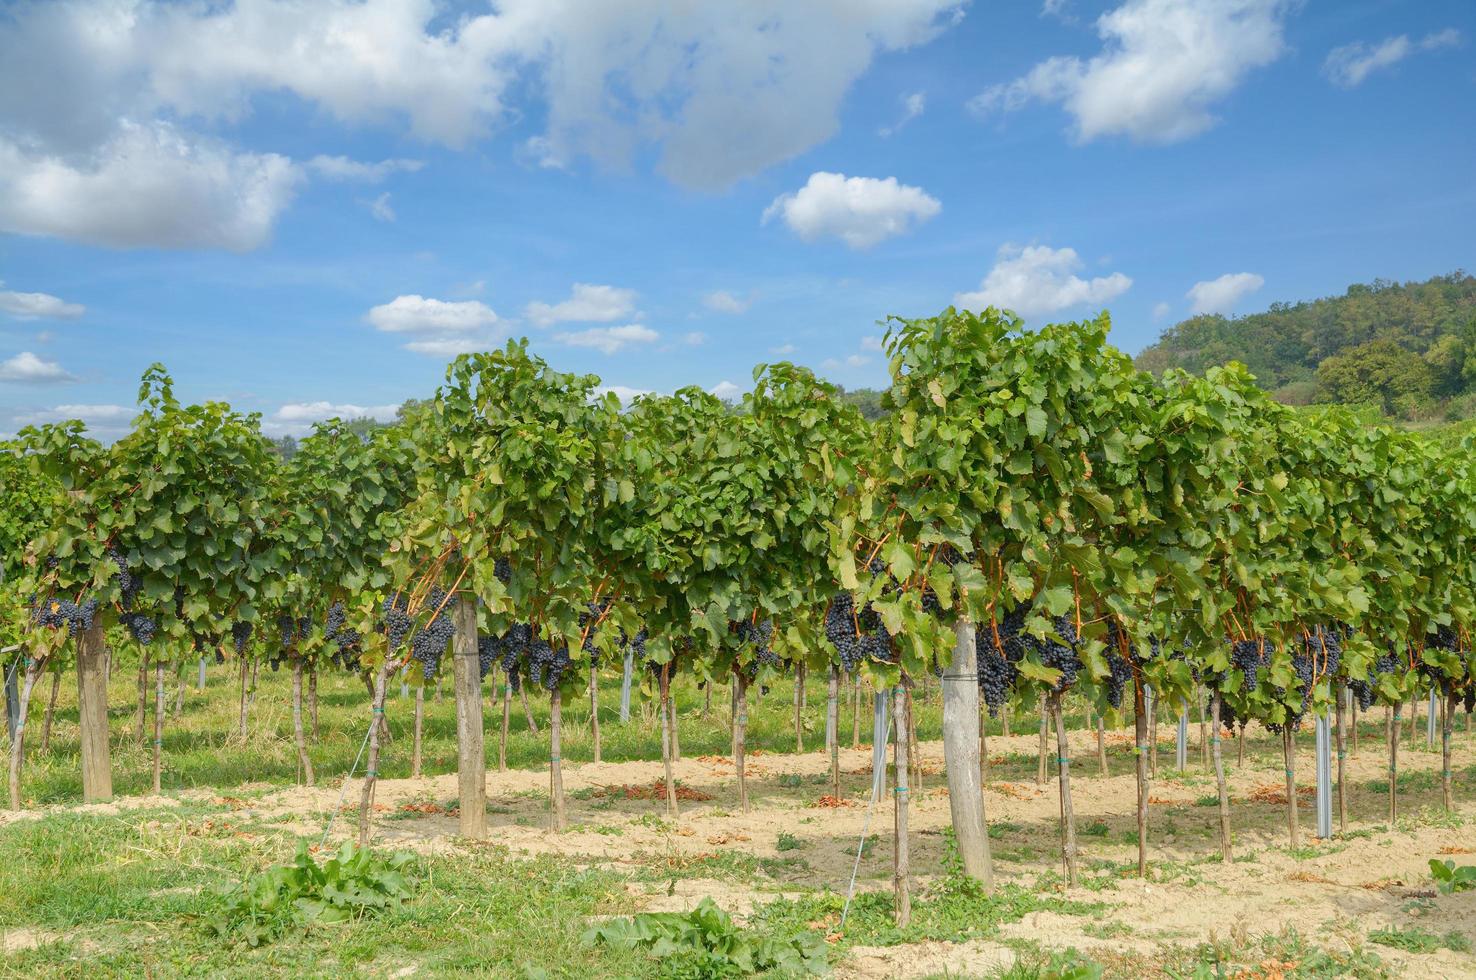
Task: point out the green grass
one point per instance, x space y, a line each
1417 940
1288 952
952 912
140 888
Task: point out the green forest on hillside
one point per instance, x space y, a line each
1406 350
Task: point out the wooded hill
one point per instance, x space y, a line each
1407 349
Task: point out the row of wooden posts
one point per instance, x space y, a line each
965 747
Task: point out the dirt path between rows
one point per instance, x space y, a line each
1333 892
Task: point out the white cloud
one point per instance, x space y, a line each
725 89
588 304
722 90
722 301
321 411
783 349
342 168
695 338
27 368
851 361
34 306
380 207
149 186
1164 65
860 211
440 328
624 393
1350 64
608 340
1057 9
1036 279
1221 295
871 343
1161 310
91 414
726 390
419 314
912 107
455 346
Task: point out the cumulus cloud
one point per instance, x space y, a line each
725 90
625 393
912 107
323 410
726 390
1161 310
93 415
1350 64
27 368
1163 66
694 338
149 186
440 328
722 301
1035 280
454 346
342 168
1223 294
783 349
36 306
860 211
608 340
871 343
851 361
420 314
719 90
588 304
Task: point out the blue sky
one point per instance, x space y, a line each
309 209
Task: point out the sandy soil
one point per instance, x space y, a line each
1333 897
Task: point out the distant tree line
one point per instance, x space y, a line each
1405 349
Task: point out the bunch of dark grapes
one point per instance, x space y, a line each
996 661
1228 718
56 613
1443 638
760 635
1246 656
488 651
1365 691
240 636
395 612
547 663
337 619
429 643
129 584
930 603
1325 647
840 630
336 629
1119 664
513 645
286 629
1468 699
1302 663
439 601
142 628
1062 656
502 569
1121 675
589 623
